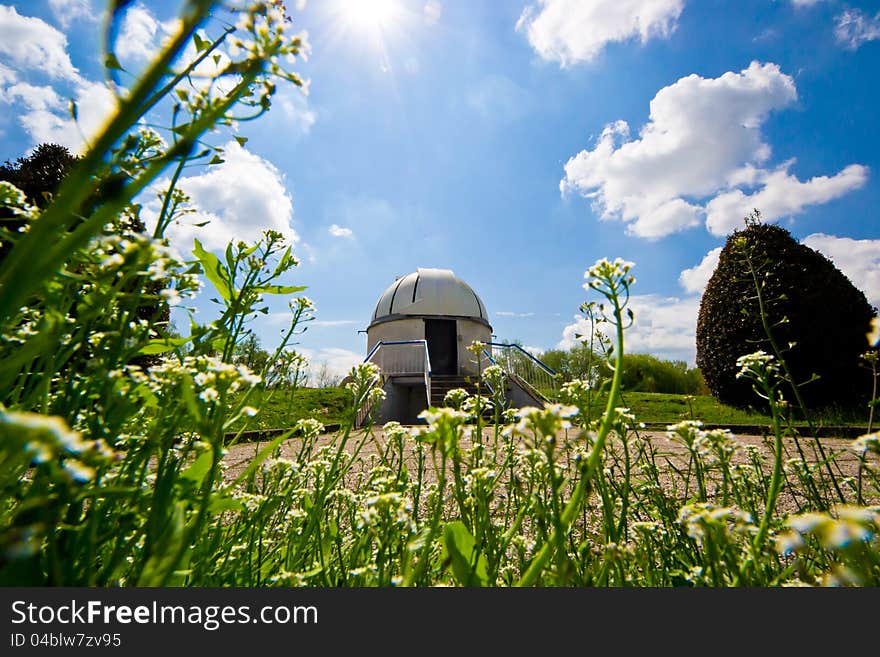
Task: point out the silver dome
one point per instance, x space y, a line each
430 292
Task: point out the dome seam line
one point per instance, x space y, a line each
394 294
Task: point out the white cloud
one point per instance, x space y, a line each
432 12
694 280
805 3
571 31
34 97
854 27
372 219
507 313
858 259
703 140
332 323
141 34
340 231
31 43
781 195
295 105
338 361
240 197
67 11
7 75
46 117
664 327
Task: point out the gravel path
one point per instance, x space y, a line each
369 447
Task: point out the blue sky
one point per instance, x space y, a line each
515 142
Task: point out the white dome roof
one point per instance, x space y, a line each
430 292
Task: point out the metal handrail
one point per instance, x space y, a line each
426 369
544 366
538 377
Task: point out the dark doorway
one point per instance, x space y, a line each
442 345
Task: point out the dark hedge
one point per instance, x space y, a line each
828 318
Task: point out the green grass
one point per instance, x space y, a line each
280 409
655 408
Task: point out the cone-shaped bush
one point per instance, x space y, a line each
817 316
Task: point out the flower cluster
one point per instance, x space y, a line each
495 377
545 422
212 378
870 442
756 364
47 440
606 276
15 200
576 392
838 529
701 518
455 398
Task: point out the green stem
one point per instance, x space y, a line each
588 470
776 478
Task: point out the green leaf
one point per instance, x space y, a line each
188 394
169 542
199 468
112 63
241 140
468 565
221 504
161 346
213 271
284 263
216 160
279 289
201 44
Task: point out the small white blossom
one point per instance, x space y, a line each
113 261
209 395
171 296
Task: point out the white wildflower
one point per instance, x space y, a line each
112 261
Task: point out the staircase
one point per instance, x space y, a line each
443 383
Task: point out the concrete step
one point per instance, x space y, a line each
441 384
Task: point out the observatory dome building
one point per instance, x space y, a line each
419 336
436 306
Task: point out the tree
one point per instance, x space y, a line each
250 352
771 293
324 377
578 362
39 174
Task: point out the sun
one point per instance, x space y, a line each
372 16
370 27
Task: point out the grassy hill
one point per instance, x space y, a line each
280 409
283 408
